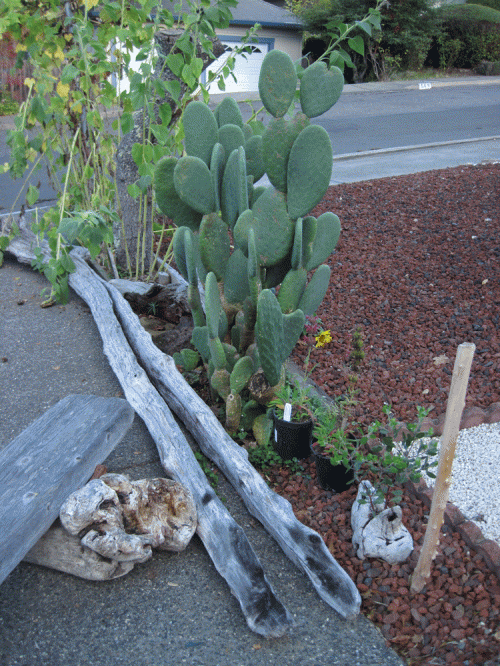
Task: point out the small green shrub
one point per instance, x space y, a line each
468 34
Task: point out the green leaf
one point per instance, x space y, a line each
32 195
175 62
365 26
127 123
69 74
165 113
174 88
357 44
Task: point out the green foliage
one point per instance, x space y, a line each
63 128
8 106
399 455
264 457
494 4
469 33
253 239
369 40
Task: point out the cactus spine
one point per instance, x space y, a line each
241 240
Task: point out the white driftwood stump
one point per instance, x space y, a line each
124 520
381 533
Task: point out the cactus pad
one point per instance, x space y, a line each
320 88
214 245
167 198
269 336
217 164
255 161
228 112
231 137
291 289
194 184
234 190
315 291
200 129
309 170
277 83
277 143
326 238
235 279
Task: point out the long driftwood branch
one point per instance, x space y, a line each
224 539
301 544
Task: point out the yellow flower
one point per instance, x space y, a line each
90 3
29 82
63 90
21 47
323 338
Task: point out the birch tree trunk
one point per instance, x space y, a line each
454 409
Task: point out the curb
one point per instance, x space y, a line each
488 549
404 149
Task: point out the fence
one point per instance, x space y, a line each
12 80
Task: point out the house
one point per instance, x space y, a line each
279 30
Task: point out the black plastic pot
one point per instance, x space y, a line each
291 438
332 477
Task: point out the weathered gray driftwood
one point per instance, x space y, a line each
232 552
57 549
301 544
53 457
224 539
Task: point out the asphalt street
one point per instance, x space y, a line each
437 126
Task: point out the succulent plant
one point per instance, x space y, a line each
253 247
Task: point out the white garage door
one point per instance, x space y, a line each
246 69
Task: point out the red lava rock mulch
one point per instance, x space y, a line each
417 270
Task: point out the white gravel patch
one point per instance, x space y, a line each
475 486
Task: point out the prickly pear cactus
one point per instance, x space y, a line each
253 247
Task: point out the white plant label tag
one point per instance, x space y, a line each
287 412
424 86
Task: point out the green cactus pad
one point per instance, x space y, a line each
277 143
214 245
277 82
309 227
241 373
326 238
297 245
269 336
315 291
262 429
234 191
167 198
199 339
233 412
255 194
200 129
217 354
247 131
236 287
179 250
194 184
255 161
272 227
217 164
320 88
293 325
228 112
212 305
309 170
231 137
232 355
187 359
291 289
220 382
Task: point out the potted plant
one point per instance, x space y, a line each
292 414
335 451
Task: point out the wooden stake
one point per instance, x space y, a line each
454 409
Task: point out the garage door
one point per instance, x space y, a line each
246 69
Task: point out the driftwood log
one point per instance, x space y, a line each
78 433
224 539
59 550
301 544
